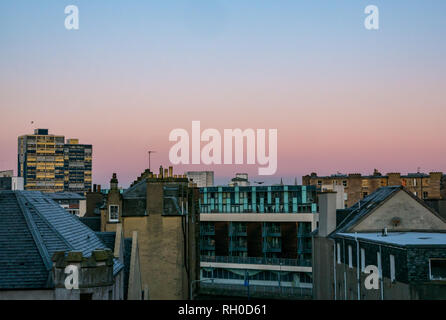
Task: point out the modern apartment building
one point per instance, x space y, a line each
77 166
47 164
257 237
356 186
41 161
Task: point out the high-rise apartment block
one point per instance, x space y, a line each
77 159
48 164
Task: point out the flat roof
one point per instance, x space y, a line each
402 238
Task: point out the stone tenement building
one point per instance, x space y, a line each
163 209
357 186
390 229
39 239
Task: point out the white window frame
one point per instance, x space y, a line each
430 269
109 213
338 252
392 267
362 259
350 257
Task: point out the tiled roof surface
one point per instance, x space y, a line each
32 228
108 238
94 223
65 196
365 206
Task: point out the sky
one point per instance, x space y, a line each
342 98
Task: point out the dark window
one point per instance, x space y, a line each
438 269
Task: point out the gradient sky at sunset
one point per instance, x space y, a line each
342 98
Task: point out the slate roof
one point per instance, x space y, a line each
403 239
65 196
94 223
32 228
108 238
136 191
365 206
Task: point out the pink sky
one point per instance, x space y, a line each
342 98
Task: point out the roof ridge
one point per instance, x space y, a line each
44 254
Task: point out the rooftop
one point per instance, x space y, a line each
65 196
402 238
33 227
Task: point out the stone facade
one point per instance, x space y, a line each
357 186
167 226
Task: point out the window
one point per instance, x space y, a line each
364 194
437 268
338 253
425 195
362 259
113 212
344 183
392 268
350 258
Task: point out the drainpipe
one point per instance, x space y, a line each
334 268
358 266
381 273
345 270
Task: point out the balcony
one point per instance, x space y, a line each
257 260
256 291
272 247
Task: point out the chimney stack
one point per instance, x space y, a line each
171 172
327 213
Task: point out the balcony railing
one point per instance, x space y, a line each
269 247
259 289
257 260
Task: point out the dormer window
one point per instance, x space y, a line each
113 213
